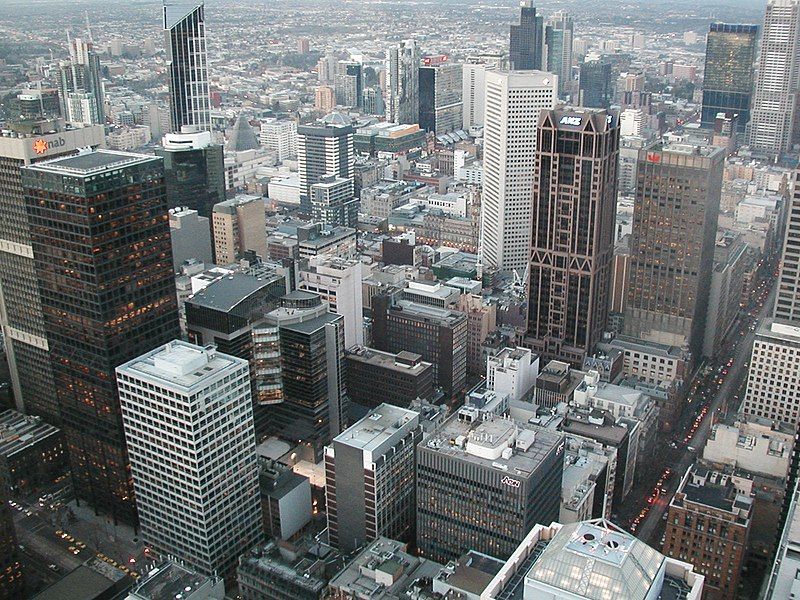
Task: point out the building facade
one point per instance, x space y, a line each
370 472
440 100
483 484
514 100
526 39
187 65
24 333
558 34
402 83
672 243
325 148
107 296
188 421
772 118
728 75
194 170
574 191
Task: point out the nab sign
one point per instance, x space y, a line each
41 145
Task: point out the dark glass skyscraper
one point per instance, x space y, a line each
672 243
21 318
194 170
728 79
596 84
184 26
574 196
101 245
526 40
440 101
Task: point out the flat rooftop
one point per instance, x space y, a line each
180 365
402 362
377 430
226 292
482 443
19 432
427 313
92 163
169 581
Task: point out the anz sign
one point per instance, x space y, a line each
571 120
514 483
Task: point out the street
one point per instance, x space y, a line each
673 460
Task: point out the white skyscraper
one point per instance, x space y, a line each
473 86
402 83
188 421
772 120
280 137
513 102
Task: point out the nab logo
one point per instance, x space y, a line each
510 482
41 146
653 157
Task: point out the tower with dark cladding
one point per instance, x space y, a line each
21 319
728 76
103 259
526 40
672 243
187 64
574 199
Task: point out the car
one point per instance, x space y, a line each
691 449
53 567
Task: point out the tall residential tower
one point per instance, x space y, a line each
187 64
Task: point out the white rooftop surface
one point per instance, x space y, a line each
179 364
378 430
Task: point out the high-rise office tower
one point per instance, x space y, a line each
280 137
473 86
440 103
324 148
728 76
596 84
80 85
188 421
437 334
526 39
370 471
194 170
107 295
333 202
24 332
773 127
771 385
225 312
402 83
574 205
513 102
787 301
349 84
306 344
483 482
672 243
239 226
187 64
558 35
